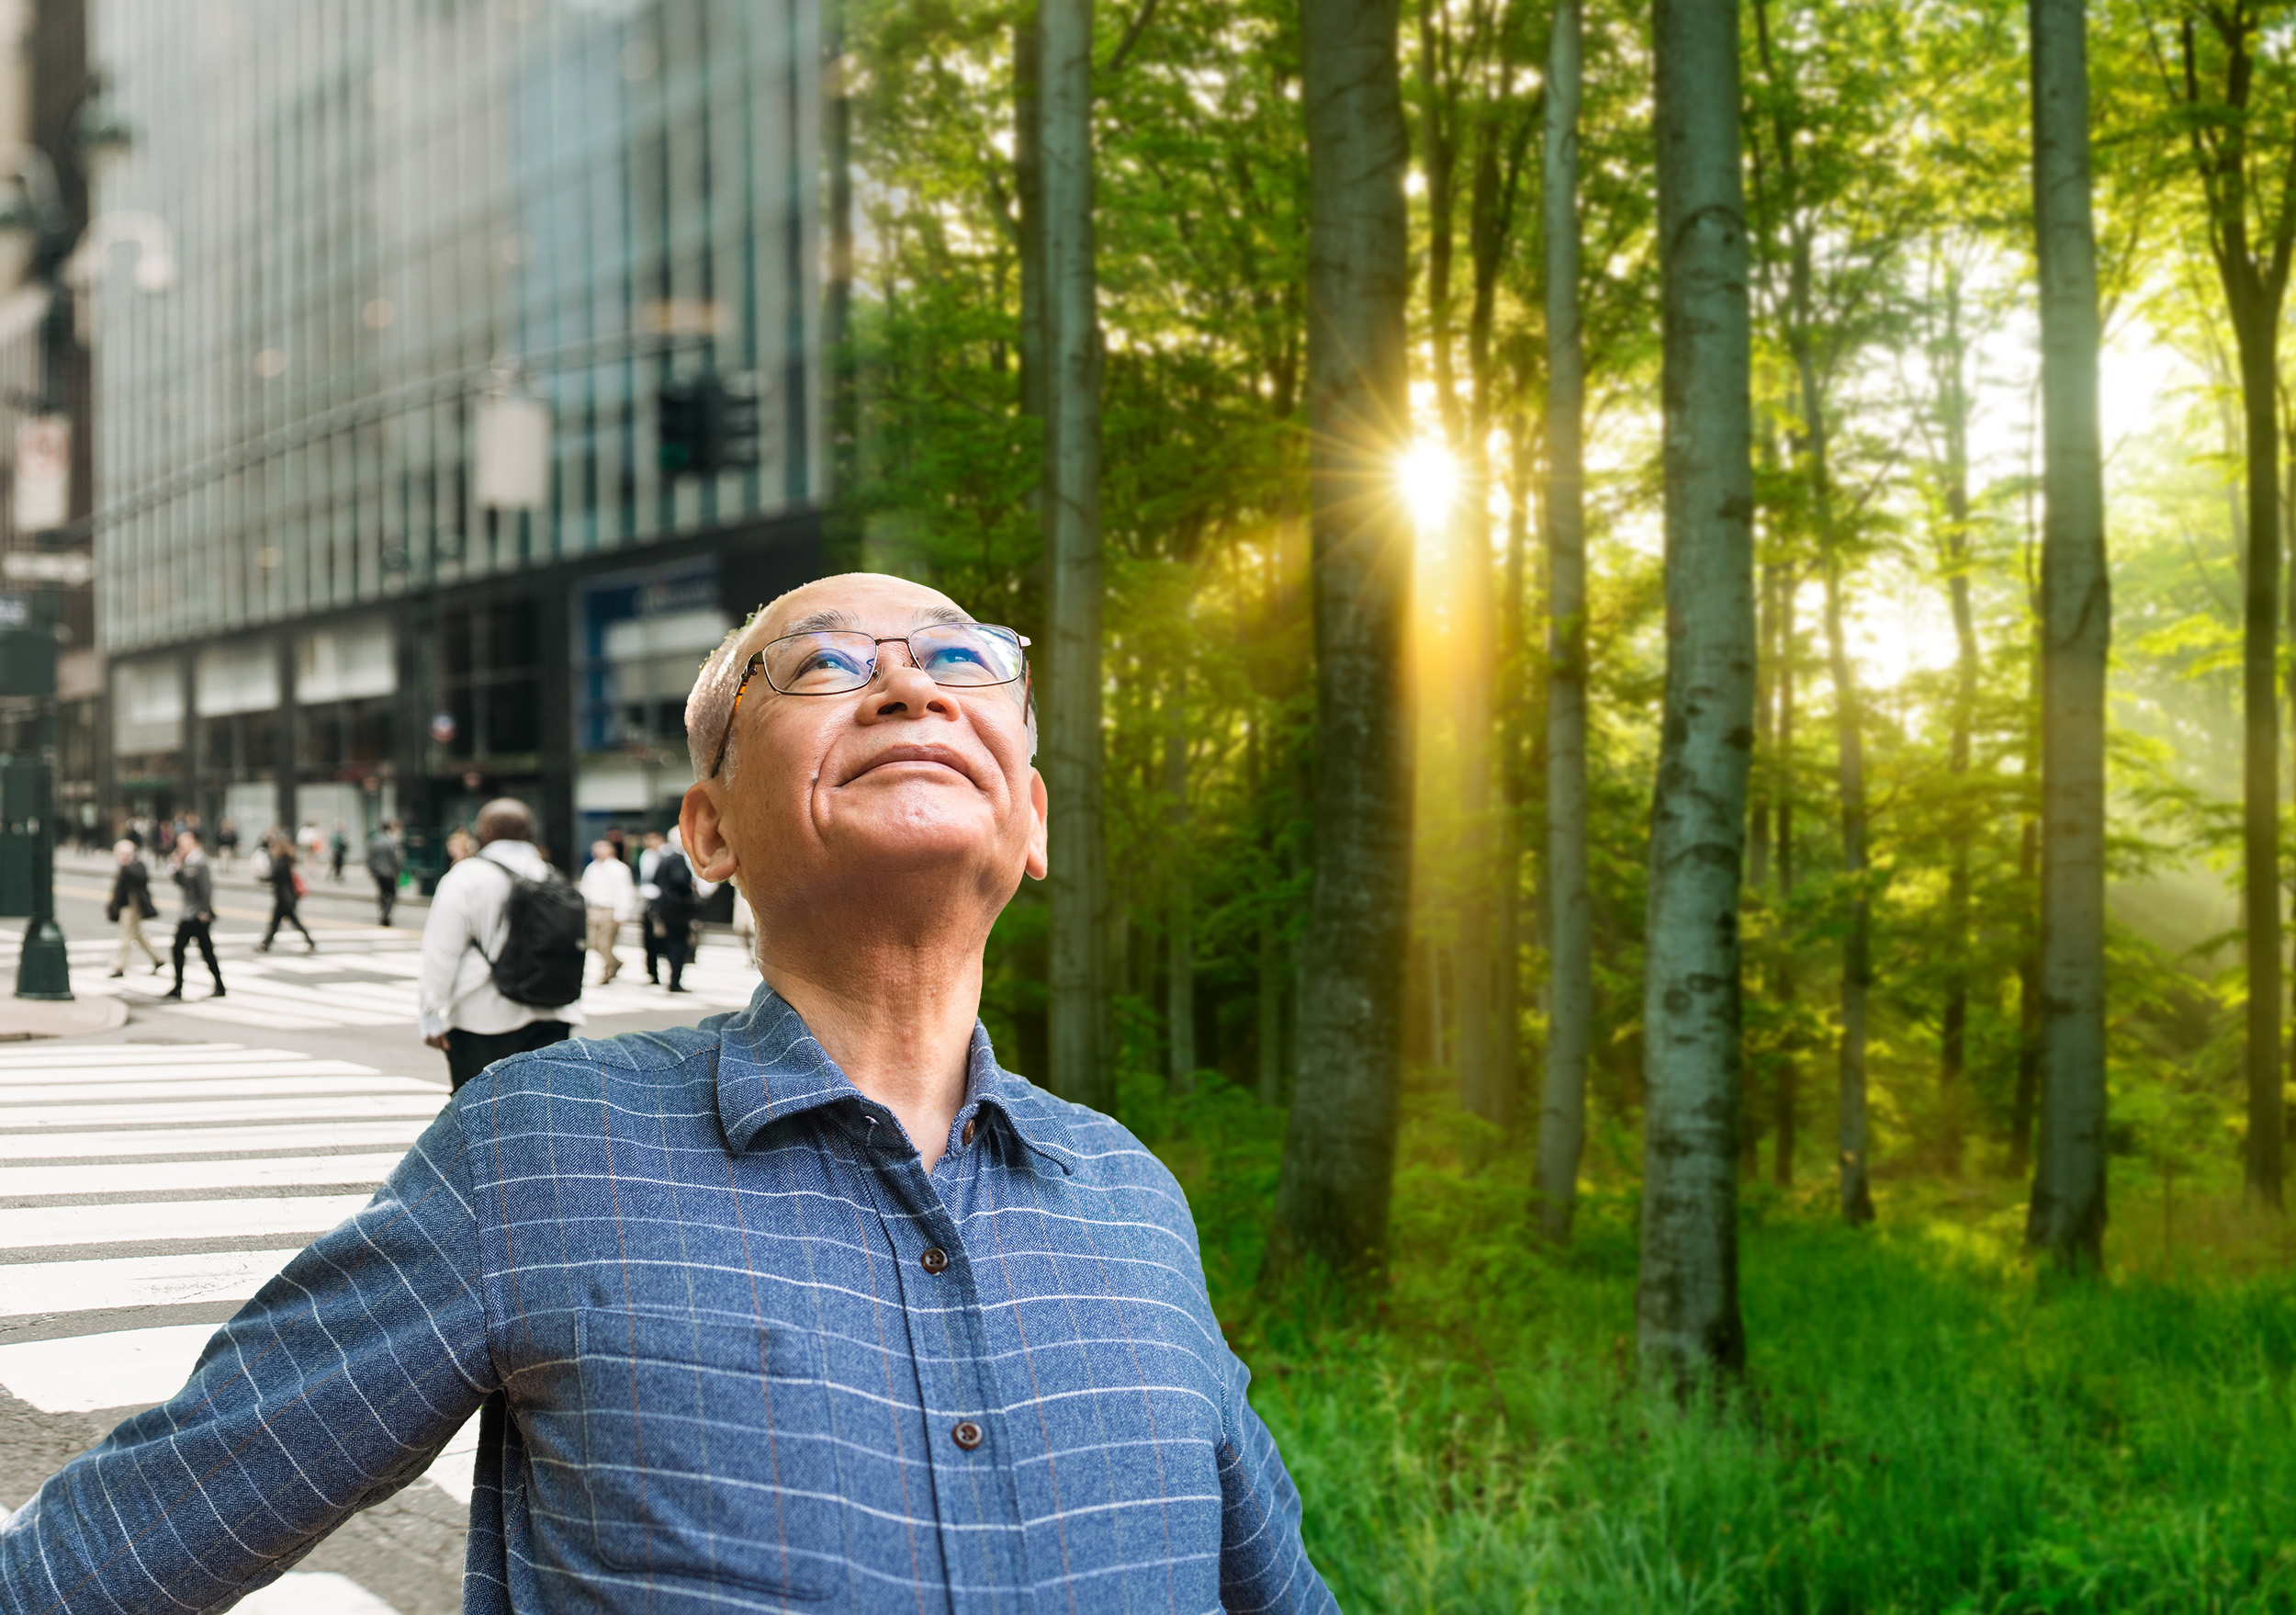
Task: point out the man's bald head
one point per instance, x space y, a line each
506 819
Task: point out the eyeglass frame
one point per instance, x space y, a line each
755 664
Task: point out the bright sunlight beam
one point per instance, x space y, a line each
1429 479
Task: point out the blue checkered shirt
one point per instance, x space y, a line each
738 1351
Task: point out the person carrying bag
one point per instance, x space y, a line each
130 907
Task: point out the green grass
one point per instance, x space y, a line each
1924 1426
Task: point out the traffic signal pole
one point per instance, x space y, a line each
43 970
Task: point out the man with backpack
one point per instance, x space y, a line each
503 950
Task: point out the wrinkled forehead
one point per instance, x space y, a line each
862 604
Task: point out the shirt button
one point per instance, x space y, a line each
935 1259
967 1136
967 1434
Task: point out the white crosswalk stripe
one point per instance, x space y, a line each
370 982
256 1148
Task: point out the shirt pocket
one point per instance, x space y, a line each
706 1450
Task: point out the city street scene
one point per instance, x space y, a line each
954 805
153 1177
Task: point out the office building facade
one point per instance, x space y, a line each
383 522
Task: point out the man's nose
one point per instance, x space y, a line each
904 685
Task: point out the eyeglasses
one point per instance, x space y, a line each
962 656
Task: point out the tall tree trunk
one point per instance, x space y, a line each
1788 1093
1686 1306
2068 1214
2260 784
1954 409
1180 918
1339 1153
1853 1141
1027 173
1071 526
1570 971
843 527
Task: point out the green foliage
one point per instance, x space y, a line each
1924 1426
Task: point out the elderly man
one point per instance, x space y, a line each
812 1306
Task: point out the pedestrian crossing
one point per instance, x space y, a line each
369 981
148 1189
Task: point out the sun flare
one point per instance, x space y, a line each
1428 477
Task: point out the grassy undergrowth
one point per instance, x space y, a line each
1924 1426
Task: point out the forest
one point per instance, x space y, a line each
1665 675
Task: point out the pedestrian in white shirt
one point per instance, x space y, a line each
463 1012
610 894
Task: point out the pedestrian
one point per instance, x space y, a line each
130 906
812 1305
338 848
194 924
286 890
468 936
675 901
384 860
609 897
311 843
459 845
226 844
650 926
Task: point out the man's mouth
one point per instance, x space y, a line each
945 756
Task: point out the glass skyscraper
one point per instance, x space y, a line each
387 213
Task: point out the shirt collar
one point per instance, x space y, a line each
771 1067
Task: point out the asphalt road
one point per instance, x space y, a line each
151 1178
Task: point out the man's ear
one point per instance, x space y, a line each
1037 865
703 832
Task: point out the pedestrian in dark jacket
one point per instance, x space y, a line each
195 924
675 905
384 862
130 906
286 891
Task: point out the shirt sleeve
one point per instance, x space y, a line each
446 938
334 1387
1263 1562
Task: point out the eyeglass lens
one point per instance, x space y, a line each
830 662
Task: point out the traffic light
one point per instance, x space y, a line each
707 424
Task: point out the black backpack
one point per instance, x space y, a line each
543 953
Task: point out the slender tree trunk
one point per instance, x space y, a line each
2259 337
1180 936
1339 1153
1027 173
1954 406
1853 1145
1686 1307
844 525
1071 522
1570 978
1853 1141
2068 1214
1781 983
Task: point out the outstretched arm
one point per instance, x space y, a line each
336 1386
